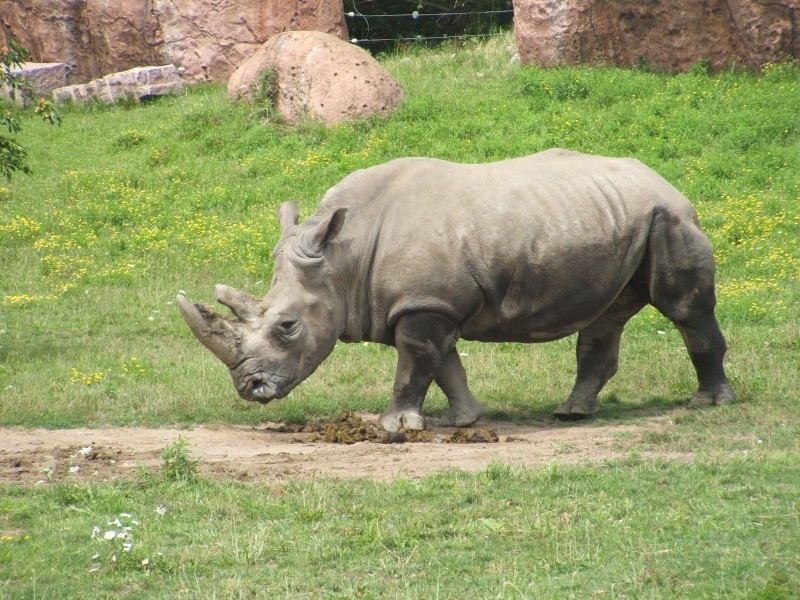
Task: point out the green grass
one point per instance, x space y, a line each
129 204
654 529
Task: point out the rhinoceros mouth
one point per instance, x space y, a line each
263 392
266 390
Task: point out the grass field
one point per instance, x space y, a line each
127 205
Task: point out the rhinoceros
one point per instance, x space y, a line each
418 253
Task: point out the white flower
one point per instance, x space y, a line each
126 515
109 535
127 546
146 562
95 532
86 450
161 509
74 469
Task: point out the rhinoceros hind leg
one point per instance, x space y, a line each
464 409
423 341
597 363
707 349
723 395
598 356
682 289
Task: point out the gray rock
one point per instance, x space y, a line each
134 84
43 77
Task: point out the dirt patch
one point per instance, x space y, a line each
351 447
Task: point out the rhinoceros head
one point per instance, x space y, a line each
275 343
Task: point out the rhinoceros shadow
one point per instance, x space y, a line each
612 409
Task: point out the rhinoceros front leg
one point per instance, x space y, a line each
464 409
423 340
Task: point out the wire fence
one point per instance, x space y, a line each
382 30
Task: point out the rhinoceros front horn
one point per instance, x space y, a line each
215 332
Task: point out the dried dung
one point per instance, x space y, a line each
349 428
477 435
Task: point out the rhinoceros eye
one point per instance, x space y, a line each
288 325
285 329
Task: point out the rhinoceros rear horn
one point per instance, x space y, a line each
214 331
244 306
288 215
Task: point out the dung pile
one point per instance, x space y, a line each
476 435
349 428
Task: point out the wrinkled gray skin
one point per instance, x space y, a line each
419 253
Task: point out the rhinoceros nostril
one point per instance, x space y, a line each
262 391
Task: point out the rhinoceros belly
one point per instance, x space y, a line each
544 302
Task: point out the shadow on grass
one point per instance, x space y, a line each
611 410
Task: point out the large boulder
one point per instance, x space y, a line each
137 84
316 75
669 35
208 38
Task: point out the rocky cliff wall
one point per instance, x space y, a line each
211 38
668 35
208 38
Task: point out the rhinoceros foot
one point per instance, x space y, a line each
574 410
461 414
723 394
394 420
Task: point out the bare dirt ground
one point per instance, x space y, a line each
277 452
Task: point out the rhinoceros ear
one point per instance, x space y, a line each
288 215
312 243
214 331
243 306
